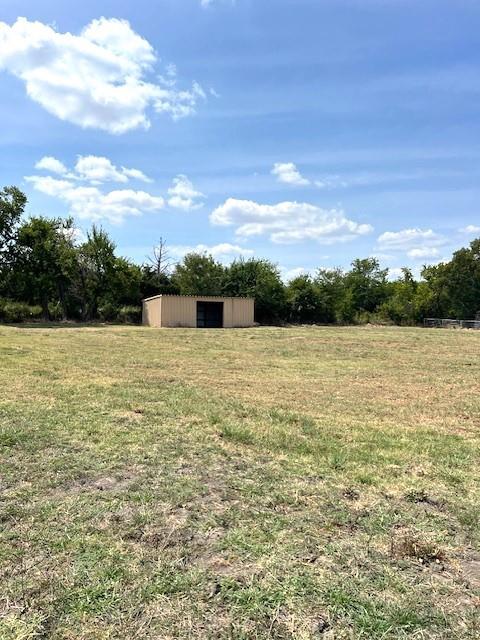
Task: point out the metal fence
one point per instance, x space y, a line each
449 323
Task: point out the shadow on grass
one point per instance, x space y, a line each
66 325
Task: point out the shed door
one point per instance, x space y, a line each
209 315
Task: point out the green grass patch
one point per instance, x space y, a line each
247 484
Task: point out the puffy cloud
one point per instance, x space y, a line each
88 202
75 234
288 222
93 169
97 169
136 174
409 239
96 79
49 163
470 229
423 252
417 244
224 251
50 186
288 173
183 195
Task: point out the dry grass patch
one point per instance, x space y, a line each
266 483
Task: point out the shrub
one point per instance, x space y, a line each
107 312
130 315
370 317
55 311
19 311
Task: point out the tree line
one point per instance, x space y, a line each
47 273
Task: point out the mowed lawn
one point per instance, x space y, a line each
264 483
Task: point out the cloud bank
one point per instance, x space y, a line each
288 222
79 189
418 244
225 251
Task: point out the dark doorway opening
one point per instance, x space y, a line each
209 315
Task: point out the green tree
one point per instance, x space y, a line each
435 300
331 289
154 283
45 261
95 273
305 303
365 289
463 282
126 284
12 207
401 304
199 274
261 280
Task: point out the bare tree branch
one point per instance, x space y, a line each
160 258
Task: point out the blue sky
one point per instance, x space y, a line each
309 132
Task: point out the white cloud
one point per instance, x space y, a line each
136 174
408 239
384 257
88 202
93 169
49 163
470 229
288 222
331 182
290 274
423 252
210 3
97 169
394 273
76 235
183 195
225 252
288 173
417 244
97 79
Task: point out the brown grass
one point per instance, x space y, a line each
264 483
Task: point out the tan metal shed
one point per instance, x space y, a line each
198 311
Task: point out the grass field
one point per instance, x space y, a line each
265 483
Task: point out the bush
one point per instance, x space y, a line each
55 311
19 311
107 312
130 315
371 317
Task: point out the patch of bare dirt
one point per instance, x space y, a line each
105 483
409 544
471 571
132 415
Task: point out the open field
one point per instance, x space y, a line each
265 483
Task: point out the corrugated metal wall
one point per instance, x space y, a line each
181 311
242 312
152 312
